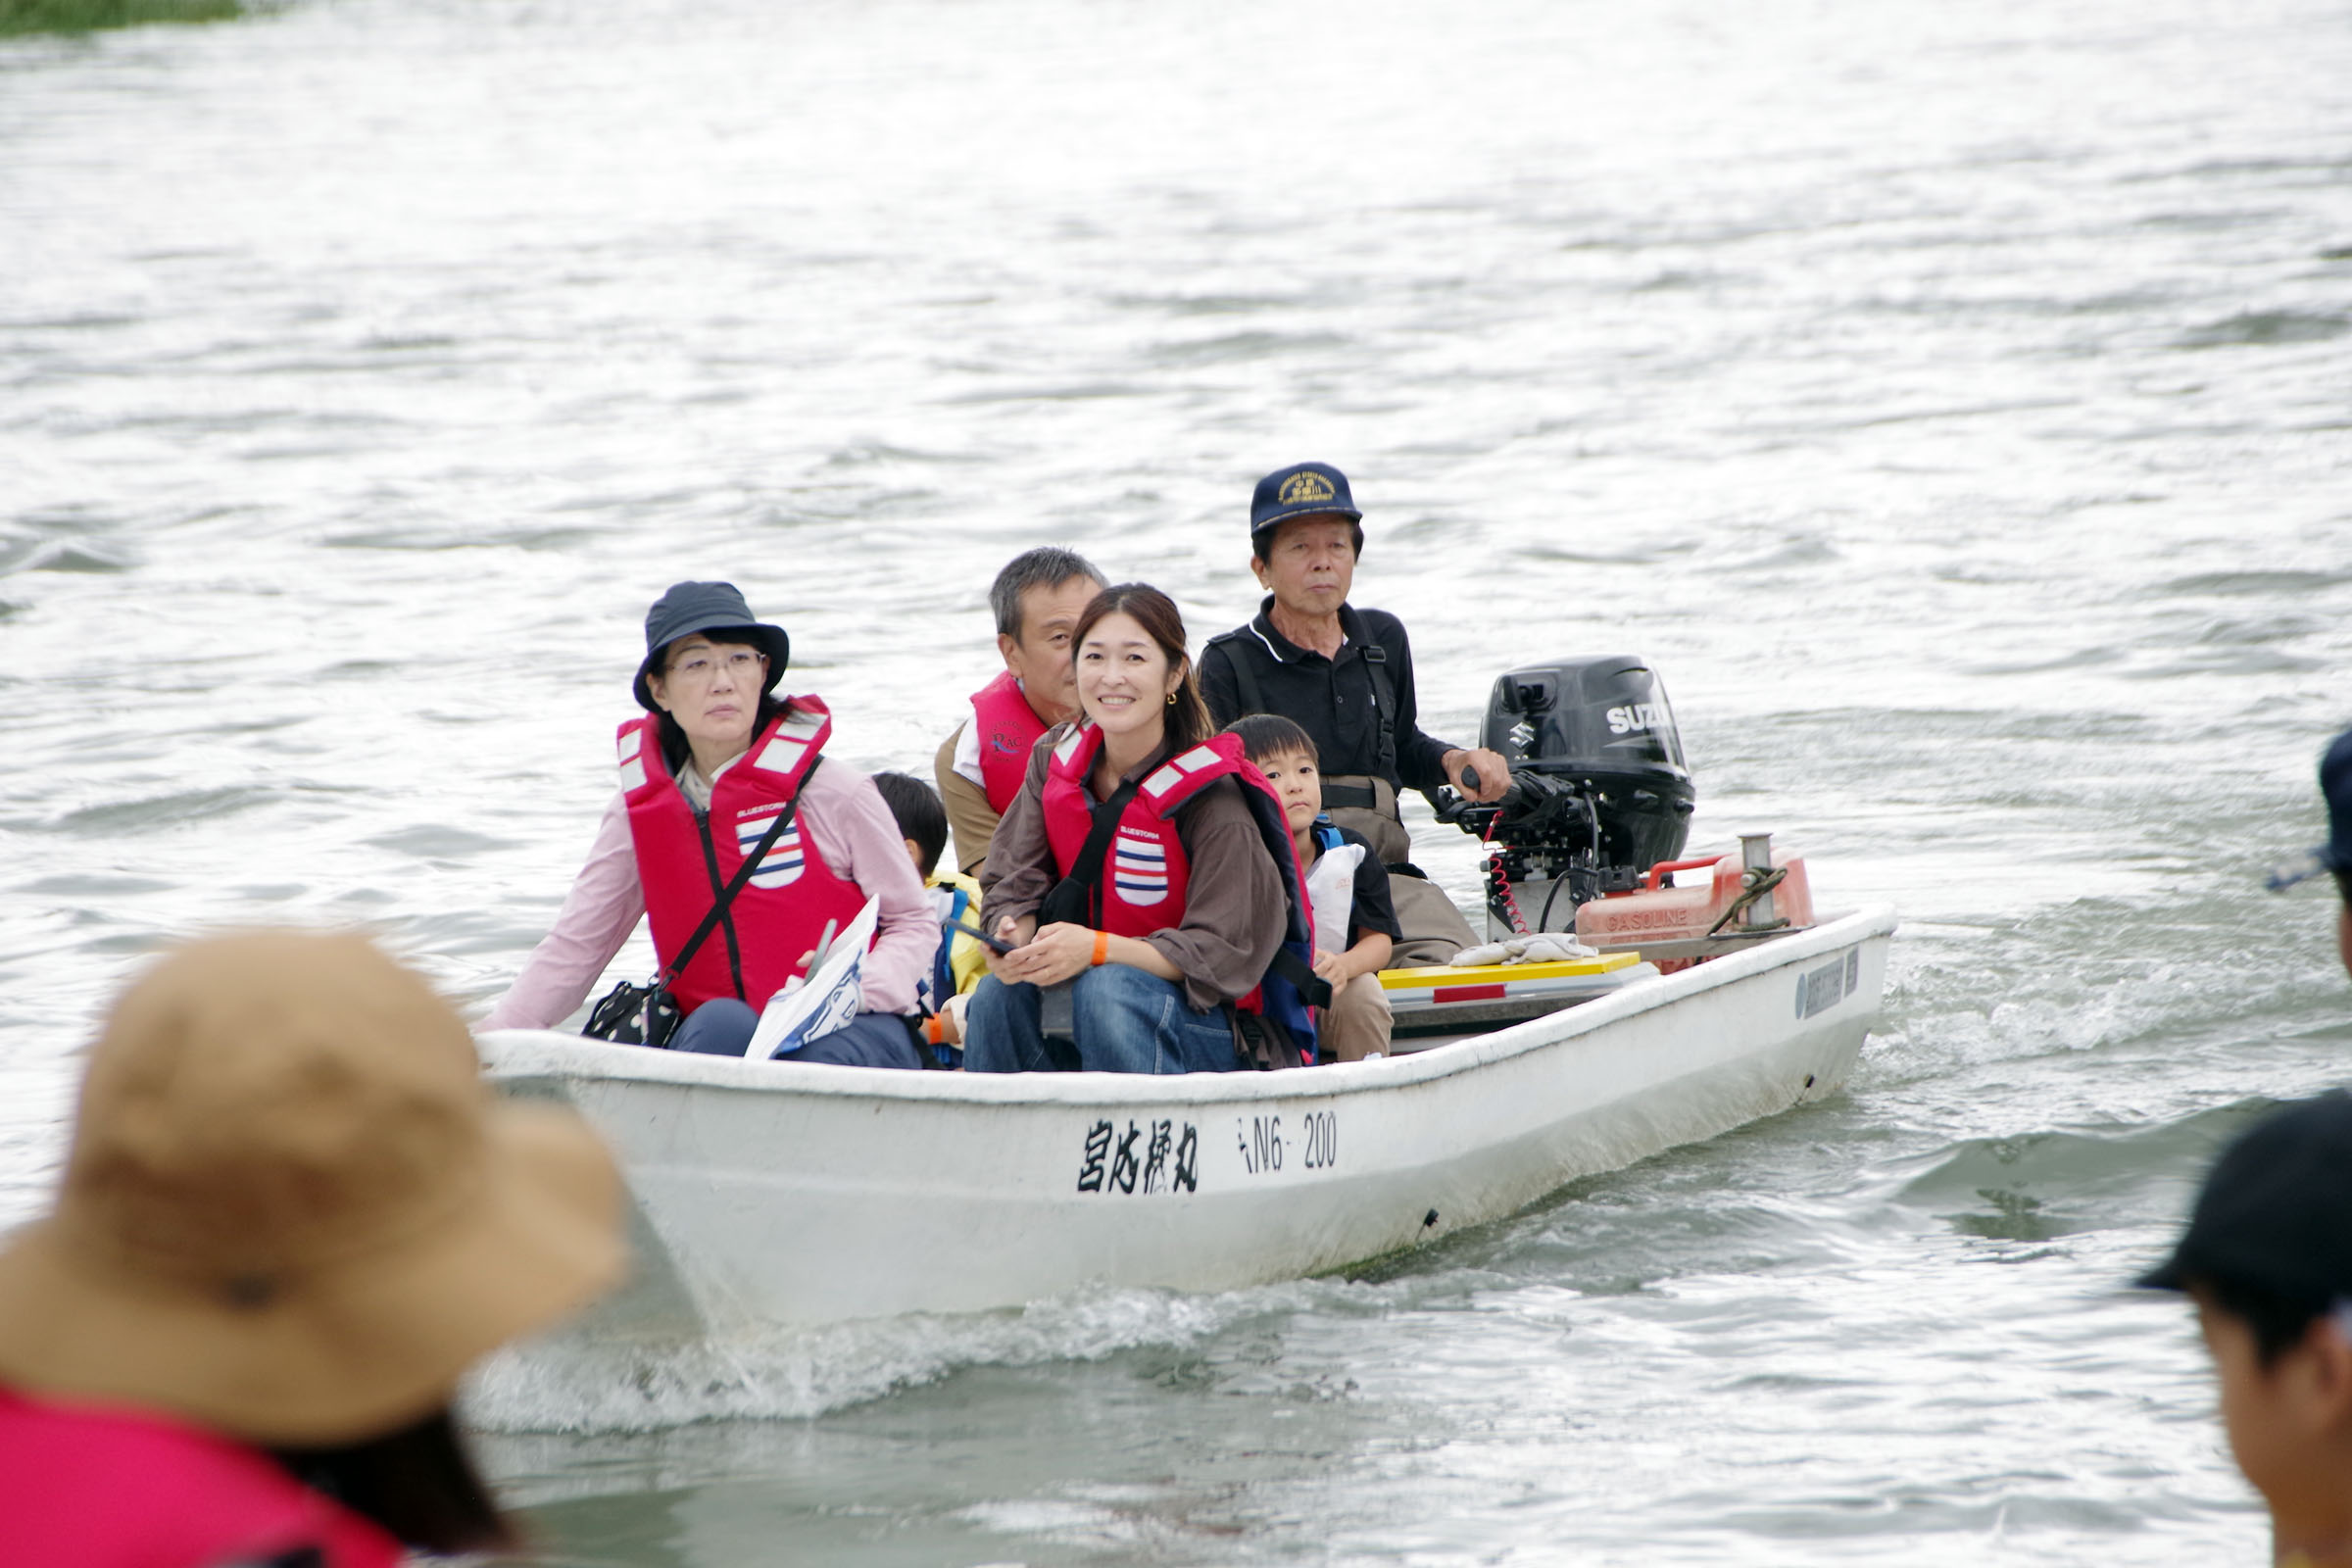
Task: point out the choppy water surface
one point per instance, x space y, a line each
1955 402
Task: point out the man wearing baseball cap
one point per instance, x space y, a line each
1345 677
2268 1259
2335 856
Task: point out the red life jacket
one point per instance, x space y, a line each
112 1488
1146 874
776 921
1007 728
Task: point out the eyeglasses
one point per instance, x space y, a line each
702 666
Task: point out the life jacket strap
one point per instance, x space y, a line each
743 873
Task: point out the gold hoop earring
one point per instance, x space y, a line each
1171 699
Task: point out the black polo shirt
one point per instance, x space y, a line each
1339 702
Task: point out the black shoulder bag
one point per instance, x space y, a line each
648 1014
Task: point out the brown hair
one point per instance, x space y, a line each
1188 721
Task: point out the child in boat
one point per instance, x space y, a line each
1355 917
959 962
2268 1259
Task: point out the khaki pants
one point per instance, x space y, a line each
1356 1023
1434 929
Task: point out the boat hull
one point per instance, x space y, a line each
780 1194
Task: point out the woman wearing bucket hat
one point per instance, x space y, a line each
291 1216
717 762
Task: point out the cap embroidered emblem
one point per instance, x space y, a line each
1305 485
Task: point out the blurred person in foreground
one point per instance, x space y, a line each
291 1216
2267 1261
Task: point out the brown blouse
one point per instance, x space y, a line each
1232 912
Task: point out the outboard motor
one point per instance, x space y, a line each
1600 792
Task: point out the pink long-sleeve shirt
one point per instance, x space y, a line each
841 810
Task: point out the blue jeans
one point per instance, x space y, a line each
1126 1021
723 1027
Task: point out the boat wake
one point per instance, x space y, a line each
577 1383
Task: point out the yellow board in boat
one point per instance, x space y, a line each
1503 973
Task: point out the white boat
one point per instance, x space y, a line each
777 1194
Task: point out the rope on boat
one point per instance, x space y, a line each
1759 883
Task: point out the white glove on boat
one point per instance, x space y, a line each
1552 946
1547 947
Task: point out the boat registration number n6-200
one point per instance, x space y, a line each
1265 1142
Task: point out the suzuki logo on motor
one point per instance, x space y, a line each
1633 716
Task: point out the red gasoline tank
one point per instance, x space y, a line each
1656 912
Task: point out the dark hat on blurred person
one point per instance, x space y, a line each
718 611
293 1213
2276 1212
1301 490
2335 785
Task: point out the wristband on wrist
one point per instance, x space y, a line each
1101 949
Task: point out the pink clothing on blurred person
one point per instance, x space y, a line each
111 1488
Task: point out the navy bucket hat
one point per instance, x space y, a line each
1301 490
2336 784
718 611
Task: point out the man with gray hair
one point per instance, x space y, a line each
1037 600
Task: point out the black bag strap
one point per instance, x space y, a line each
1313 988
1383 700
1253 697
743 874
1073 896
1238 654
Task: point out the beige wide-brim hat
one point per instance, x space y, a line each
293 1213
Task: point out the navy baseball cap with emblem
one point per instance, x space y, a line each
2336 784
1301 490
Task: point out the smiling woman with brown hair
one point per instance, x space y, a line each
1142 865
